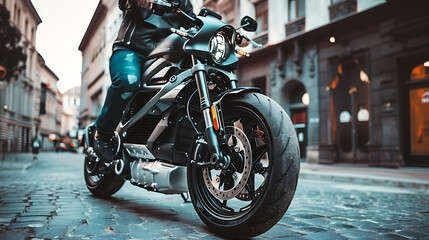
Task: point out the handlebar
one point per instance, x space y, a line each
255 44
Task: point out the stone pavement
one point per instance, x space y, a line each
50 201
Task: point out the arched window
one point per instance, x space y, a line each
420 72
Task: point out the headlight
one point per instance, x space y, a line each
220 47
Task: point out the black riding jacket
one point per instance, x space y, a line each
142 31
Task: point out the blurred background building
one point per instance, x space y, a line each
30 104
352 74
96 47
69 119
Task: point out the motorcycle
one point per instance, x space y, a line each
191 129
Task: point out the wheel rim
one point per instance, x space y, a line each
220 208
227 184
93 167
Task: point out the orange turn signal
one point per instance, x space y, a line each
214 116
242 53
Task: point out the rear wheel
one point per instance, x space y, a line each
100 179
254 192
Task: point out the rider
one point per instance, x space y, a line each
140 32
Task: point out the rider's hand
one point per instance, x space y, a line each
141 3
244 43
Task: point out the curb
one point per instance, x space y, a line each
27 166
364 179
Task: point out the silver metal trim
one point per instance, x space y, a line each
138 151
208 118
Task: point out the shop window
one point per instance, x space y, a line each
419 121
261 10
296 9
420 72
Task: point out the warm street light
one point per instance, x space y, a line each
364 77
332 39
426 64
306 99
3 72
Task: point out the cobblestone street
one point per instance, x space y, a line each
50 201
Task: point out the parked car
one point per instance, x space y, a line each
61 147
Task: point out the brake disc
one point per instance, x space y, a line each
237 140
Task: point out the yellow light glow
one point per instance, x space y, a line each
306 99
5 107
364 77
332 40
426 64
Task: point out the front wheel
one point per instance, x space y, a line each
254 192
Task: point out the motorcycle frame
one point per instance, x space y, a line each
167 96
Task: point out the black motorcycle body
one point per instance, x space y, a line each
189 128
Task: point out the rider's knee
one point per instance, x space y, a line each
128 81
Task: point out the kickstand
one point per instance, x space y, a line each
185 197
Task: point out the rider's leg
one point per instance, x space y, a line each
125 72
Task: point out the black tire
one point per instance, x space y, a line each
271 200
102 185
100 180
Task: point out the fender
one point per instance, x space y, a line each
234 92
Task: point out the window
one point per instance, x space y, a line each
18 17
26 28
421 71
15 9
261 9
419 121
296 9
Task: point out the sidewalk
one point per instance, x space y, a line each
406 177
15 161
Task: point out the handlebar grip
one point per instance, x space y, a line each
160 7
255 44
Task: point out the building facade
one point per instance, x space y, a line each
21 118
48 106
70 116
96 48
352 74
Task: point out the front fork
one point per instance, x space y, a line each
217 158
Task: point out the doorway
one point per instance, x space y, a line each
349 96
418 124
297 99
